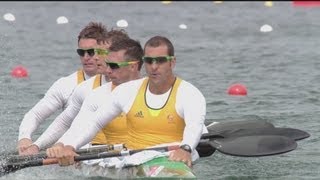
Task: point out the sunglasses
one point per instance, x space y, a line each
158 60
117 65
91 52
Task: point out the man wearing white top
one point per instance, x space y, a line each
161 108
125 61
57 97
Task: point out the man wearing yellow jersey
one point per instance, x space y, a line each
160 109
57 97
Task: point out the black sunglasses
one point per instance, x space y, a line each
115 65
158 60
81 52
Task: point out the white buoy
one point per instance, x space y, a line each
9 17
266 28
122 23
217 2
183 26
166 2
268 3
62 20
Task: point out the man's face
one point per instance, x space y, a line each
101 53
158 71
89 64
119 70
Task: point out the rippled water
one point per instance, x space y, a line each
222 45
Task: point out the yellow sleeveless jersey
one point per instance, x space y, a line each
80 76
114 132
100 137
148 126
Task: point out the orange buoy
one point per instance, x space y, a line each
19 72
237 89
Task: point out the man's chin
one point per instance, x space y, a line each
154 78
89 70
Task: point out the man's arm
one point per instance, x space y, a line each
62 123
51 102
194 112
82 131
87 125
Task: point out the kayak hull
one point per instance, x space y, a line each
158 168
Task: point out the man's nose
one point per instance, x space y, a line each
154 65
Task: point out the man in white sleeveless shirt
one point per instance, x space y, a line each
161 108
57 97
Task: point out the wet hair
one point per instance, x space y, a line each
94 30
157 41
116 35
133 49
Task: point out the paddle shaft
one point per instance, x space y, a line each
48 161
124 153
43 155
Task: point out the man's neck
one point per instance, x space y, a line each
161 88
88 76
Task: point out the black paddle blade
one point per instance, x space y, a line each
254 146
234 125
292 133
205 149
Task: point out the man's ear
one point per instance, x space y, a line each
173 62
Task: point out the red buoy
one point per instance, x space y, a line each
237 89
306 3
19 72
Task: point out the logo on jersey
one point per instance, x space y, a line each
139 114
170 119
